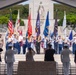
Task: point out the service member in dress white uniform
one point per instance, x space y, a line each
60 44
65 59
74 44
10 59
20 40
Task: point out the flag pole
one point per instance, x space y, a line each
56 25
10 25
17 24
46 28
64 25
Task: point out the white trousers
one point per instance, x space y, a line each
10 68
66 68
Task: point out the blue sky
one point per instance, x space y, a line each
27 2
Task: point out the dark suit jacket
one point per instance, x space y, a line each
75 57
49 55
1 49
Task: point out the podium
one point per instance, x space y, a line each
36 68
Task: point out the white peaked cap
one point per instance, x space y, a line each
66 45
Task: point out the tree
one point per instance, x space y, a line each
21 23
15 12
14 18
71 19
24 12
3 20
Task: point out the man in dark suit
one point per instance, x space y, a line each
75 57
49 54
0 53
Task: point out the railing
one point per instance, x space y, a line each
72 69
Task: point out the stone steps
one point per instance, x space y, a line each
37 57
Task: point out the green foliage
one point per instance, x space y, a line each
21 23
14 18
60 22
61 8
5 13
24 11
3 20
70 12
15 12
71 19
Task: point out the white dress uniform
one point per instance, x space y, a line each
32 43
60 44
15 40
9 59
65 59
66 41
20 38
44 45
51 42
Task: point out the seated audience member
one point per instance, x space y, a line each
75 57
49 53
30 54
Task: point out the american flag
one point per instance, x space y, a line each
10 27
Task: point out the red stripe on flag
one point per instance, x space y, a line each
10 27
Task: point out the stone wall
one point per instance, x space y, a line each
36 68
43 6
